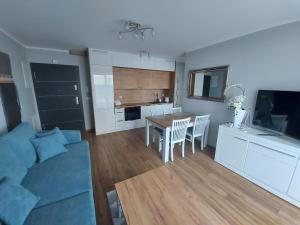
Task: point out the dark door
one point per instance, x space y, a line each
58 95
11 105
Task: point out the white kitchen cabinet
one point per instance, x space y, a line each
99 57
154 109
102 91
268 161
103 100
294 190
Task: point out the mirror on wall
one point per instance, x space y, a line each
208 83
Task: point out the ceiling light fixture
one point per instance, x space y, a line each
136 29
144 53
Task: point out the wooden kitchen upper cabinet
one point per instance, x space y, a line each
161 80
129 78
144 79
125 78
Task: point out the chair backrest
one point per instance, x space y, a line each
201 123
178 130
176 110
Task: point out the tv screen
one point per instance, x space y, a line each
278 111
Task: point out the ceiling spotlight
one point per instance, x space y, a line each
153 32
120 36
144 53
136 34
137 29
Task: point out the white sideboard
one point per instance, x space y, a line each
268 161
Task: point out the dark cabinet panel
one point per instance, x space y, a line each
51 72
60 116
57 89
58 102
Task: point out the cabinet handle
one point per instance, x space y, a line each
77 100
75 87
239 138
275 150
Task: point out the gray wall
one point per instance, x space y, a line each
17 54
267 59
178 95
61 57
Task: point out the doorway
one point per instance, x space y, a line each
58 96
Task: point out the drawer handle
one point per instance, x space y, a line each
120 120
239 138
120 112
275 150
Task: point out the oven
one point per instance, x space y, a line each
132 113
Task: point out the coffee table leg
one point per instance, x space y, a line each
166 144
147 133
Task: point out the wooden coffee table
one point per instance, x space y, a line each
200 194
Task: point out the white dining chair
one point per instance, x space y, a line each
199 128
178 134
176 110
156 131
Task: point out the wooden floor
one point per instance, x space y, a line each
119 156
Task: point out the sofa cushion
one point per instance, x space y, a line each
10 165
19 140
16 202
78 210
72 136
55 133
47 147
62 176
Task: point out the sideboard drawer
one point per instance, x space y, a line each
231 149
270 166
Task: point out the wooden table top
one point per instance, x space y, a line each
179 195
166 120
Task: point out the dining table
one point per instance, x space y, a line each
164 122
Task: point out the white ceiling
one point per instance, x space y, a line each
181 26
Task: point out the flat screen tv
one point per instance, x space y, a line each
278 111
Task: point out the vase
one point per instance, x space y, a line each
239 115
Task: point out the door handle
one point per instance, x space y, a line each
77 100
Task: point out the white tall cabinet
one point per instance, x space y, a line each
268 161
102 91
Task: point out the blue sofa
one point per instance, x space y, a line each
63 183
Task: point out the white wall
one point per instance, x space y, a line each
264 60
63 57
17 54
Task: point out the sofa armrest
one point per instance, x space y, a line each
72 136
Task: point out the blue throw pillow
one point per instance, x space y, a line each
10 164
19 140
16 202
59 135
48 146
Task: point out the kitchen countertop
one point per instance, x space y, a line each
140 104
